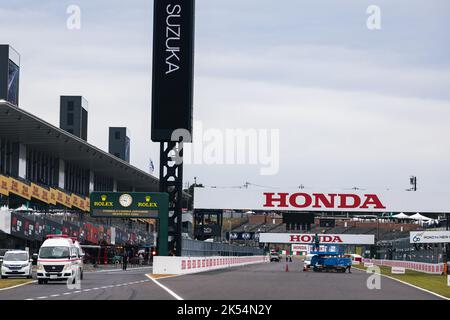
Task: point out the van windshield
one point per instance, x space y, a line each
54 253
15 256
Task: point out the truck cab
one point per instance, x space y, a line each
60 259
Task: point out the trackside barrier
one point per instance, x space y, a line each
429 268
185 265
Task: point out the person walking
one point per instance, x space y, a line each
124 261
316 242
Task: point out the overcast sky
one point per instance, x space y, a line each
355 107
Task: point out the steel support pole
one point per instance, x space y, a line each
171 182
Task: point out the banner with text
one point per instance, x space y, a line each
324 238
429 236
347 201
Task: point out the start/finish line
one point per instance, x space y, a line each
299 200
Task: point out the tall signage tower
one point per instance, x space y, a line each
9 74
172 99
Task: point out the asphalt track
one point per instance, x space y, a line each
254 282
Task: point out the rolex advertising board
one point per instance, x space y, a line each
128 204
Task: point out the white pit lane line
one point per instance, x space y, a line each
173 294
87 290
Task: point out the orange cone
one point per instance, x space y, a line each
287 268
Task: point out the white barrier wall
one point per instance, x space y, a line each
185 265
430 268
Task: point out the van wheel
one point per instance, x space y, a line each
81 275
40 281
4 277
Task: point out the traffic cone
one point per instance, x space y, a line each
287 268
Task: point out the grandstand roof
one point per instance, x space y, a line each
18 125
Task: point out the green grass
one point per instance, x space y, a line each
6 283
431 282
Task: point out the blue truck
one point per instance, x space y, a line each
331 259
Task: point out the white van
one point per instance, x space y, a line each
16 263
60 258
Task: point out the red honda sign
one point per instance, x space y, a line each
322 200
324 238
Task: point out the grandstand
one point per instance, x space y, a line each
383 230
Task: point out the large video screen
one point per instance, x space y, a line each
13 83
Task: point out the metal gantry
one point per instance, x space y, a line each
171 182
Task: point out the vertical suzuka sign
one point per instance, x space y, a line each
144 205
172 100
173 68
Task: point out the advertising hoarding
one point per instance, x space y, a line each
242 236
128 204
328 200
51 227
22 227
309 238
300 247
398 270
38 228
429 236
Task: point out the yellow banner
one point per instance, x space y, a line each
40 193
4 185
19 188
53 196
63 198
50 196
59 196
82 203
78 202
67 200
88 204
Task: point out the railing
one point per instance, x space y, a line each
431 268
195 248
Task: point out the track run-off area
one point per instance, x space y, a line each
265 281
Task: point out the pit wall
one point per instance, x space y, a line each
430 268
186 265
